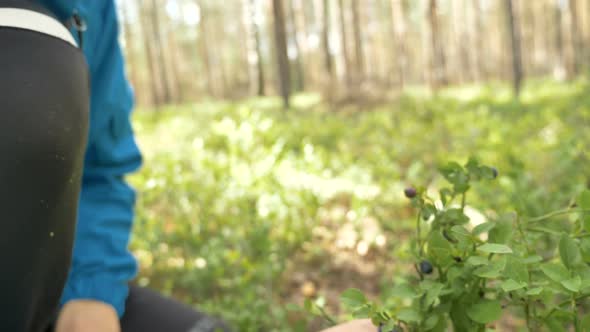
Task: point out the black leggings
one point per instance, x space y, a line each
148 311
44 101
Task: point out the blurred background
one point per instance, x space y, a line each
279 135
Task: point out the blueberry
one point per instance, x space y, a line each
410 192
426 267
495 172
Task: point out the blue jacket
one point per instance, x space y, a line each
102 264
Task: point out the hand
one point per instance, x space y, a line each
87 316
361 325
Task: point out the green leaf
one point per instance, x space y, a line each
516 269
489 272
569 251
404 291
555 272
353 298
585 284
432 293
459 317
427 211
512 285
483 228
495 248
463 236
533 259
445 195
439 249
494 270
307 305
461 231
430 322
408 315
453 216
586 323
534 291
390 325
585 249
362 311
555 325
477 260
503 231
574 284
584 203
455 174
485 311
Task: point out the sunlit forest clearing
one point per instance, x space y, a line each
279 137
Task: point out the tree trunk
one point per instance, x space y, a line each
358 42
157 39
328 62
575 35
259 62
218 58
281 52
343 35
255 47
204 50
173 56
559 70
299 64
149 52
399 31
480 47
439 62
513 28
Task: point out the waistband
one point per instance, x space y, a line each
34 21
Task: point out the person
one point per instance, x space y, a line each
66 145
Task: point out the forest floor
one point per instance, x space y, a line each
246 210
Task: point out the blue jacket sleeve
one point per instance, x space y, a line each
102 264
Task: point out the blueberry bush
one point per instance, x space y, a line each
239 203
471 276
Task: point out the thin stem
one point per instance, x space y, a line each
463 197
521 231
527 311
581 297
527 306
326 316
418 235
555 214
576 318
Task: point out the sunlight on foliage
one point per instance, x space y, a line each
235 198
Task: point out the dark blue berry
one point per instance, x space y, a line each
410 192
425 267
495 172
